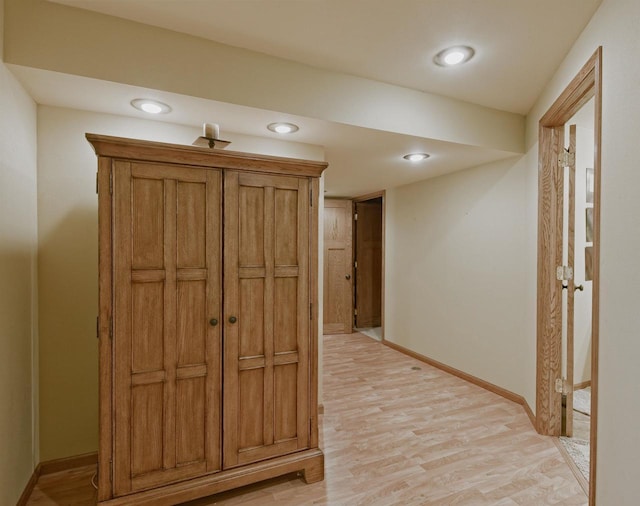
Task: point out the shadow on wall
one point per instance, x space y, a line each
68 306
15 367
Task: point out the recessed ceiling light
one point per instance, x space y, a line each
453 56
283 128
150 106
416 157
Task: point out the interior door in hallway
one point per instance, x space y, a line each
368 288
338 261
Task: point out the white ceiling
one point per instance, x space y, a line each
360 160
519 45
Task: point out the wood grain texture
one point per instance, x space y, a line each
549 295
117 147
368 255
571 240
338 266
161 383
29 488
122 325
167 421
502 392
266 393
382 196
314 231
105 350
585 85
396 435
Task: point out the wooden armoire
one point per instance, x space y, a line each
207 320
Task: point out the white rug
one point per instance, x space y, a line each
579 451
582 400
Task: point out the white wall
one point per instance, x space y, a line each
458 250
440 311
615 27
18 246
67 221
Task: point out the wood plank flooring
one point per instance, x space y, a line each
398 432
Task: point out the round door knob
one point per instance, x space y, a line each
233 319
348 276
213 322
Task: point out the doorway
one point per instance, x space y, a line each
368 240
577 292
566 259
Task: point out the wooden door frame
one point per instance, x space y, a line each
586 84
369 196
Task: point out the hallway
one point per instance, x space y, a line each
399 432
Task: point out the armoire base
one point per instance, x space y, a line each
310 463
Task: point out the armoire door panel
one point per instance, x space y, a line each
146 428
190 420
251 324
286 229
147 336
191 322
251 240
191 225
167 356
251 395
147 214
267 289
286 321
286 402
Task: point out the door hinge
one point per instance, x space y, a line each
311 197
97 327
111 328
558 385
355 311
564 273
111 183
566 158
97 192
355 264
311 311
562 386
355 217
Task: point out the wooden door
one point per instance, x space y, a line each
338 259
267 316
571 239
368 287
166 352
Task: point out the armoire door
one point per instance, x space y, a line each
266 316
167 348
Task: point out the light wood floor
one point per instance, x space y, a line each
398 432
581 426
